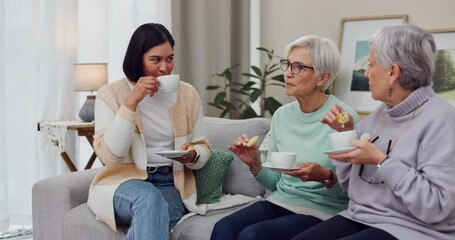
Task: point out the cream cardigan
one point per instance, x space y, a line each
117 125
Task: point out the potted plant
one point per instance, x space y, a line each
255 90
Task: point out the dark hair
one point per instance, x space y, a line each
145 37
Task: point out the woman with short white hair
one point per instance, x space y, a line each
307 196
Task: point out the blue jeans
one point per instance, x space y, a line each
262 220
340 227
151 207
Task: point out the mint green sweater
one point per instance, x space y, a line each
303 133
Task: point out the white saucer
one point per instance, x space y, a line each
171 154
344 150
278 169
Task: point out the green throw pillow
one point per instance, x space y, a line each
209 179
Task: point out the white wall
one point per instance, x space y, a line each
93 25
285 21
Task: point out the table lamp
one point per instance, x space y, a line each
89 77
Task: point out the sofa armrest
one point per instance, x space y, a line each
54 197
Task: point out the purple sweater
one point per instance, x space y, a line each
416 199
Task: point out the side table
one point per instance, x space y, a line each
55 132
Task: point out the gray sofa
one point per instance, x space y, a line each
59 204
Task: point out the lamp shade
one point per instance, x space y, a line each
90 76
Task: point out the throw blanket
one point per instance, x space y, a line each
226 201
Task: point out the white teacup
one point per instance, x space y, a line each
283 159
169 83
342 140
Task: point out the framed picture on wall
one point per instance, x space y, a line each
444 72
351 86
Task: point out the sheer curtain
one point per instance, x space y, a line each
4 220
38 49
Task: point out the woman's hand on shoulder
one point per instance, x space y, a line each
147 85
334 119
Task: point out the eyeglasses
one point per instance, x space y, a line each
295 66
373 181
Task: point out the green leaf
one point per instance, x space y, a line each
279 77
250 83
257 70
271 104
212 87
248 113
263 49
250 75
219 98
214 105
229 106
223 114
225 71
228 75
249 88
255 94
274 67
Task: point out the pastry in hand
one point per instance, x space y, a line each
342 118
252 141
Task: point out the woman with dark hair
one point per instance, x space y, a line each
400 183
134 119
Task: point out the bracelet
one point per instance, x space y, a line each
195 158
257 172
382 161
328 182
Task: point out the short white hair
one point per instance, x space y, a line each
324 53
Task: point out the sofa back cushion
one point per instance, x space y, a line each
222 132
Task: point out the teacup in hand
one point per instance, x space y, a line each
169 83
283 159
342 140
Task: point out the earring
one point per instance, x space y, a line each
390 91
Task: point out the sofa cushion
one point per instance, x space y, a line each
200 227
80 223
209 179
222 132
